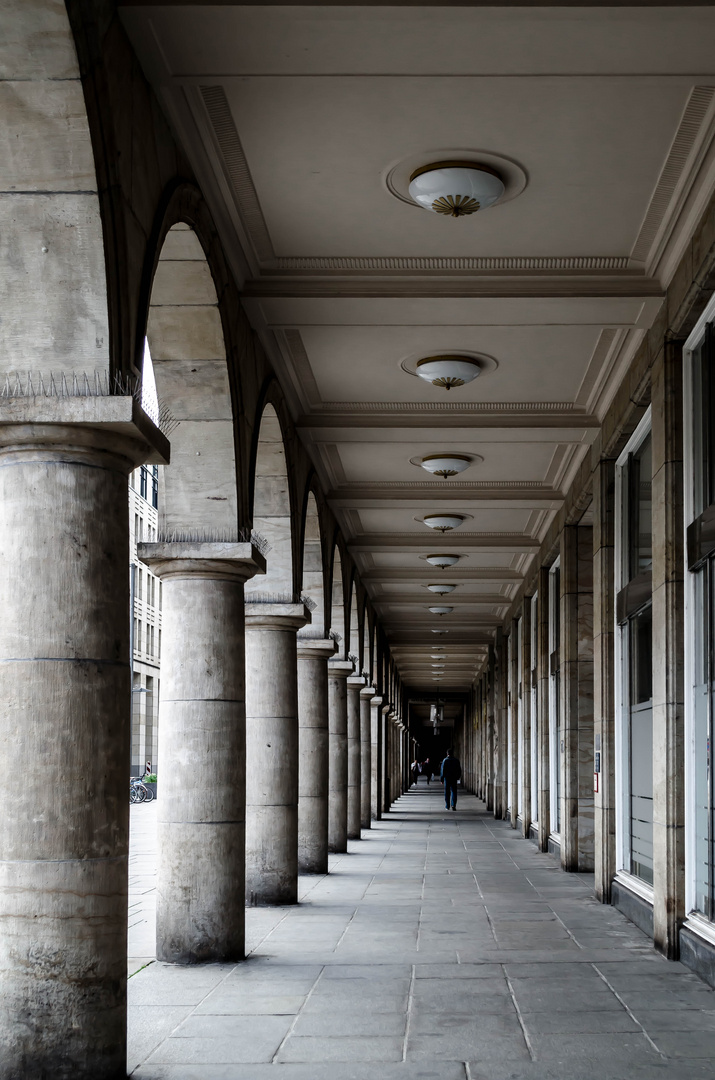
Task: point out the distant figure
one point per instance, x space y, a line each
415 770
451 774
427 768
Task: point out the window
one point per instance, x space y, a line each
143 482
634 656
555 742
699 499
534 692
155 486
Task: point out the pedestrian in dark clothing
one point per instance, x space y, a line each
451 774
427 768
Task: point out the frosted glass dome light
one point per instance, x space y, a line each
445 465
444 522
441 589
455 188
441 610
447 371
442 561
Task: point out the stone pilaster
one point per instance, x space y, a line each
668 649
272 751
338 671
64 731
355 684
513 721
603 676
313 656
202 746
525 704
366 696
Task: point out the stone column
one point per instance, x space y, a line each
202 748
272 751
355 685
577 823
542 676
513 763
376 758
338 671
64 731
366 696
603 680
313 655
491 733
668 648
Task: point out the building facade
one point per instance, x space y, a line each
145 598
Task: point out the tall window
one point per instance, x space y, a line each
699 499
555 739
519 718
509 715
534 692
634 640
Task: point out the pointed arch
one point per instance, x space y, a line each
272 517
337 604
366 655
313 584
185 336
354 624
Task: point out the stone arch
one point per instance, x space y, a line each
53 280
337 603
313 584
366 655
354 623
186 341
272 516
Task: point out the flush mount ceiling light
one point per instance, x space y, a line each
440 631
455 188
447 371
444 522
442 561
441 589
445 464
441 610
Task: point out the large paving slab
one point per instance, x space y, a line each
441 947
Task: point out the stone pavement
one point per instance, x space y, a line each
442 947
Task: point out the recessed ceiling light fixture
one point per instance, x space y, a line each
442 561
441 610
441 589
444 465
444 522
455 188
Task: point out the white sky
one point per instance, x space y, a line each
150 402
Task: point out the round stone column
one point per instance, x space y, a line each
202 748
366 696
355 685
338 671
272 751
64 731
313 655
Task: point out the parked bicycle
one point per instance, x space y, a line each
138 791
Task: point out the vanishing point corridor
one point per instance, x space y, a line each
441 947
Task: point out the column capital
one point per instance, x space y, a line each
367 692
80 425
376 700
221 561
276 615
341 668
355 682
315 648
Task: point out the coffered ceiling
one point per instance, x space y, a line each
303 124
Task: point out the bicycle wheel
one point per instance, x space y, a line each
149 794
134 796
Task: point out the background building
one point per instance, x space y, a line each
146 620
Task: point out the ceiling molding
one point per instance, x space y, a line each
470 286
689 129
341 264
236 167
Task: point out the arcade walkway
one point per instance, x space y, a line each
443 947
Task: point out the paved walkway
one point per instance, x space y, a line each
442 947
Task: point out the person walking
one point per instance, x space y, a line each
427 768
450 773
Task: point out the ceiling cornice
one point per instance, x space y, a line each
472 285
515 542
